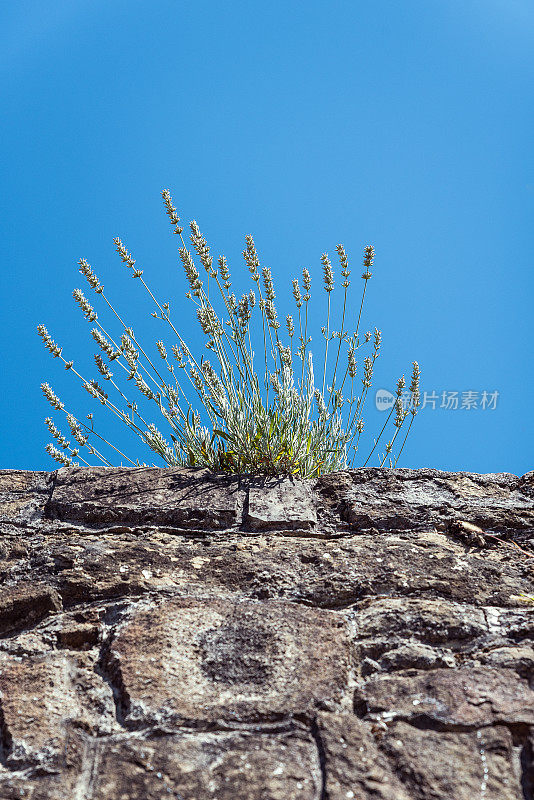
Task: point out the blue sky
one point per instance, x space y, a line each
405 125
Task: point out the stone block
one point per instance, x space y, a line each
173 497
220 659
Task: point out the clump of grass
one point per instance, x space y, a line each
275 421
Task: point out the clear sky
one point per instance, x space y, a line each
408 125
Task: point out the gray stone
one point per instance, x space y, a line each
483 763
470 696
354 765
175 633
431 621
25 605
225 766
281 504
519 657
39 695
23 497
426 499
416 656
233 660
174 497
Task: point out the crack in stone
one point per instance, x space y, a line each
526 761
88 772
321 754
108 668
6 741
47 513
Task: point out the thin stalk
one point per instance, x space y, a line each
404 441
379 435
94 433
327 338
361 307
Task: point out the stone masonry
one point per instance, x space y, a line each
172 633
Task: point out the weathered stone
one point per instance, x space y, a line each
464 766
190 635
283 504
517 657
472 697
506 624
427 499
198 766
354 766
39 695
234 661
430 621
57 780
23 496
174 497
415 656
26 604
80 636
331 574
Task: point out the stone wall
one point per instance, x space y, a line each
173 633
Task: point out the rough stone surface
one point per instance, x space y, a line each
190 499
174 633
223 765
281 505
404 499
23 496
244 660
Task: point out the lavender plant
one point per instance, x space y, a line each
276 421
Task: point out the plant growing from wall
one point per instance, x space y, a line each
221 412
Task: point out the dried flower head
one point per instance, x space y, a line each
251 258
328 273
378 338
268 284
208 320
368 364
49 343
351 359
224 271
76 430
368 258
53 399
344 262
306 282
126 257
103 368
296 293
290 326
270 313
191 272
414 388
88 273
143 387
86 307
104 344
400 413
201 247
171 211
95 391
60 457
58 436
